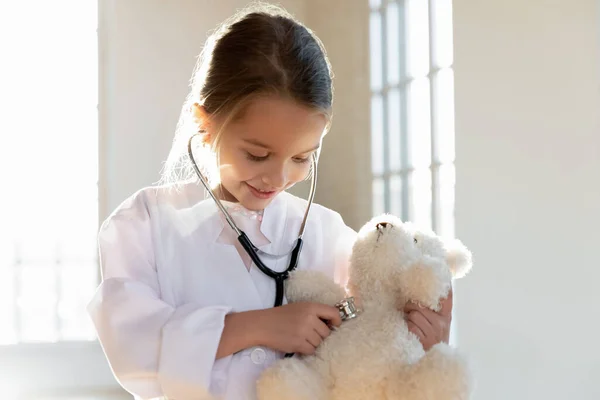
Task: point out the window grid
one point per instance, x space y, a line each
422 184
48 253
64 296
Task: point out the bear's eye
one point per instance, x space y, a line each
415 240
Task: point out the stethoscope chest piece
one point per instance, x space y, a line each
347 309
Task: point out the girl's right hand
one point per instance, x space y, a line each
297 327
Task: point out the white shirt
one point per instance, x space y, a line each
170 275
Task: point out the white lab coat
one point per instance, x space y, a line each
167 284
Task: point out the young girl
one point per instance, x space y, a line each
181 310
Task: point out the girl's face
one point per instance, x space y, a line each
267 150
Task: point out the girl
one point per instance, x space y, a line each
181 310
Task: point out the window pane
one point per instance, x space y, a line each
393 44
7 288
443 89
419 123
7 306
376 51
420 197
417 17
445 186
77 240
394 130
77 281
442 33
51 158
377 144
378 196
37 302
396 196
374 3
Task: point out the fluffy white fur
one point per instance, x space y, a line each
374 356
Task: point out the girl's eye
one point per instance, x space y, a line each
302 160
252 157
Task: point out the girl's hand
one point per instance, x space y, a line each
430 327
296 327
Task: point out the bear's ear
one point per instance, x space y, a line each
459 258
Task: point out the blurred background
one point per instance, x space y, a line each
480 119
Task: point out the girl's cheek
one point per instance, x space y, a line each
301 172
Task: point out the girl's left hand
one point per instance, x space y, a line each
430 327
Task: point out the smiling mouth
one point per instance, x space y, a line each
262 190
262 194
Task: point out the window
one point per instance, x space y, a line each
48 141
412 111
49 204
49 156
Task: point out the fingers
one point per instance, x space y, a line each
315 326
410 306
306 348
416 330
430 315
328 313
418 319
322 329
445 306
314 338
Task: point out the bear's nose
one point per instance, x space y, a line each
382 225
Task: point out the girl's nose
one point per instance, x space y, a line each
276 176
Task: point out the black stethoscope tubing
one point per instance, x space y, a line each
249 247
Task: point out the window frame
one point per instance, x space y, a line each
442 209
436 163
70 368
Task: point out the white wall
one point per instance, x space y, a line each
528 170
345 166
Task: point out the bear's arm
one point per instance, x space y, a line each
313 286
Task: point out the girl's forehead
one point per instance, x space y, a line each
274 121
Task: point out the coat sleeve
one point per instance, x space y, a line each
153 349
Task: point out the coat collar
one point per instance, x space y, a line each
210 223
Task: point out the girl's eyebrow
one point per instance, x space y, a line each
264 146
311 149
256 143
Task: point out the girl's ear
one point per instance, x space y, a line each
202 121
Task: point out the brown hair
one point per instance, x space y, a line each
261 50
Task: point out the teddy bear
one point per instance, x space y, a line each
374 356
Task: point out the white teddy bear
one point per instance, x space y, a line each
374 356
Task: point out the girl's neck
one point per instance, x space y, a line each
223 194
233 205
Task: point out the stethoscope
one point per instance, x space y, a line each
251 249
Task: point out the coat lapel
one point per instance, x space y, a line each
239 288
275 227
279 225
